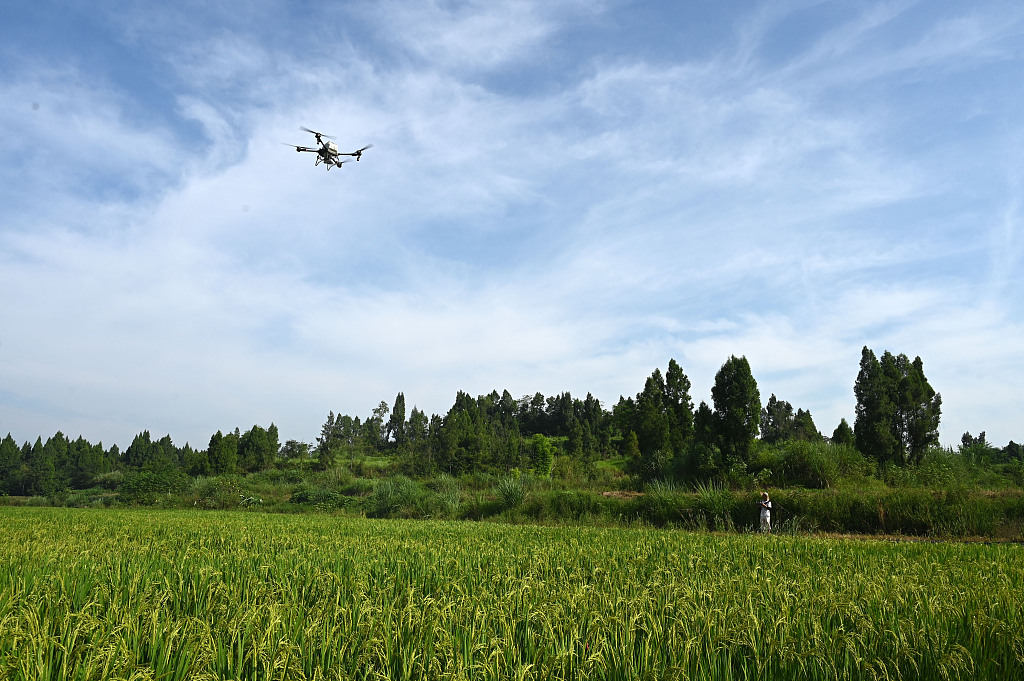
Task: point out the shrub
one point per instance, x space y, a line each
448 493
277 476
393 495
111 480
146 487
811 464
512 491
320 497
218 492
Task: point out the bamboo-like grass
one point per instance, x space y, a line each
235 595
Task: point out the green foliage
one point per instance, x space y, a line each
222 453
810 464
843 434
394 496
217 492
512 490
897 410
320 497
448 495
542 455
737 410
662 420
257 450
148 487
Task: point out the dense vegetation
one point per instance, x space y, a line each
652 458
172 595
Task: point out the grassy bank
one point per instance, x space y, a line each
947 511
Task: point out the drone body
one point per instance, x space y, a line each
327 152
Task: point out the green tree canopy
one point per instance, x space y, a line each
737 409
897 410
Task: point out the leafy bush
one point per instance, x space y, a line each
393 495
570 505
218 492
276 476
146 487
111 480
335 478
714 500
357 487
320 497
811 464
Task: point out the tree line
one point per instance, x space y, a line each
659 433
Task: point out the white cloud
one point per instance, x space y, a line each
474 35
557 240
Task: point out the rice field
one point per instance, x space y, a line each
96 594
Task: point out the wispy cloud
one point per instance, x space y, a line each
188 273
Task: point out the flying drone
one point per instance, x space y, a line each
327 152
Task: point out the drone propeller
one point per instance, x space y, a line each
318 134
299 147
358 152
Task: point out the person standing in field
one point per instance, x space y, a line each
765 506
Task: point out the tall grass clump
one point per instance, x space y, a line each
448 495
512 491
394 496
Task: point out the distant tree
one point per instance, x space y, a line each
417 429
1013 452
42 477
653 425
163 456
293 450
10 466
843 434
87 461
804 428
328 434
506 408
661 417
532 415
873 426
273 441
542 455
897 410
977 449
919 410
394 430
679 406
139 451
255 450
222 453
196 461
737 409
347 432
624 414
704 457
777 421
375 428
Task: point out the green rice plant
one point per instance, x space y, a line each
145 594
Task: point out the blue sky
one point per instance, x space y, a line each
562 195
